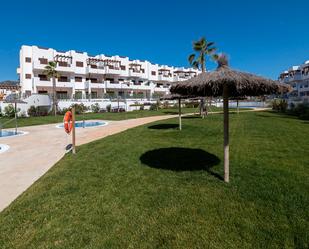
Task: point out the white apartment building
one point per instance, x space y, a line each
85 76
298 78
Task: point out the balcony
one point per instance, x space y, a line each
97 85
164 77
117 85
98 70
161 89
137 73
114 71
38 66
48 83
67 69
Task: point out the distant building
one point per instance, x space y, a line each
86 76
7 88
298 78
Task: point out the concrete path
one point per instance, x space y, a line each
33 154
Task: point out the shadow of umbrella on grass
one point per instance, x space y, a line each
163 126
180 159
227 83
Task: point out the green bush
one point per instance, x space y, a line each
9 111
32 111
37 111
300 110
165 105
153 107
192 104
280 105
79 108
95 108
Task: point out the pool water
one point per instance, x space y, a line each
86 124
10 133
3 148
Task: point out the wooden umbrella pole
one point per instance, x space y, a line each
179 112
73 130
226 132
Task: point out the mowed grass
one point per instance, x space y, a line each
87 116
156 187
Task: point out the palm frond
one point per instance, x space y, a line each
191 58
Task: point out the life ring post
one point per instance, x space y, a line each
73 130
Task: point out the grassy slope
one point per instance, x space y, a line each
105 197
107 116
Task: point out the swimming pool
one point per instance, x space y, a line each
86 124
10 133
3 148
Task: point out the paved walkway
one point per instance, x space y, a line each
33 154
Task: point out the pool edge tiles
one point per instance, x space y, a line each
4 148
102 123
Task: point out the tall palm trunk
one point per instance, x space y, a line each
54 96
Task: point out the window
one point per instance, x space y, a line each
153 73
78 79
28 59
43 77
43 61
63 64
93 66
111 80
42 92
28 76
123 67
93 80
63 79
79 63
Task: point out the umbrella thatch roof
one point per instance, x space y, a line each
239 83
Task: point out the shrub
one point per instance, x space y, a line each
9 111
95 108
42 110
79 108
31 111
109 108
301 110
280 105
192 104
153 107
37 111
165 105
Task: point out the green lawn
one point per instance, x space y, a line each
107 116
156 187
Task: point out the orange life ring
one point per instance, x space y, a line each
67 120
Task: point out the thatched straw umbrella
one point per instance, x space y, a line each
227 83
176 97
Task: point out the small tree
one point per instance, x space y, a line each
203 50
95 108
9 111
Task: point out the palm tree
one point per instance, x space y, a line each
203 49
51 73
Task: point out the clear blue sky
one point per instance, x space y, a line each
263 37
